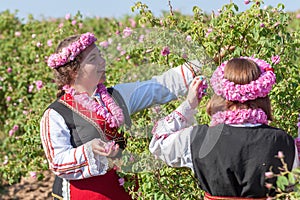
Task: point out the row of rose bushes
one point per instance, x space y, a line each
137 47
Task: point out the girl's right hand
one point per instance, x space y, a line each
193 96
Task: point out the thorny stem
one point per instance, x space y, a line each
171 8
285 167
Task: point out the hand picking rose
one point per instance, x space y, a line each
202 88
110 145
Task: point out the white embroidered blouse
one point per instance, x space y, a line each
172 137
77 163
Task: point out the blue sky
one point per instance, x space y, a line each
119 8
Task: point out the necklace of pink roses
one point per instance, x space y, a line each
240 116
104 105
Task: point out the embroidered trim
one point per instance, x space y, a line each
45 134
184 79
183 116
62 171
66 189
191 69
101 133
90 158
56 196
54 166
92 161
210 197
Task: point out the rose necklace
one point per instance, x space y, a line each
105 105
240 116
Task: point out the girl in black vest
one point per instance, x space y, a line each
230 156
80 129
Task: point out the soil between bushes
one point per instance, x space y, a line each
29 189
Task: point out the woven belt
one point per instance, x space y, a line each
209 197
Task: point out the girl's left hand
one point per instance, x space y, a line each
111 148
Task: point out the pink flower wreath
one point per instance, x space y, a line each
69 53
237 92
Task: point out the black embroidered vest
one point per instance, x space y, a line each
85 126
232 161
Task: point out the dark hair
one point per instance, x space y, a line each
65 74
240 71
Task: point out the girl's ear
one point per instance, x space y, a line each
74 74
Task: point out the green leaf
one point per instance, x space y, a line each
281 182
291 178
280 6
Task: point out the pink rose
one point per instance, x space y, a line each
132 23
209 30
165 51
30 88
269 174
246 2
275 59
39 84
141 38
15 127
280 154
49 43
116 168
121 181
38 44
11 132
119 47
122 52
68 16
188 38
184 56
32 174
127 32
269 185
104 44
8 99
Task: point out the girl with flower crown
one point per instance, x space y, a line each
230 156
80 130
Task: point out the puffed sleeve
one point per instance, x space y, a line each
158 90
65 160
172 137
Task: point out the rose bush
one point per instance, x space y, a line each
136 48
